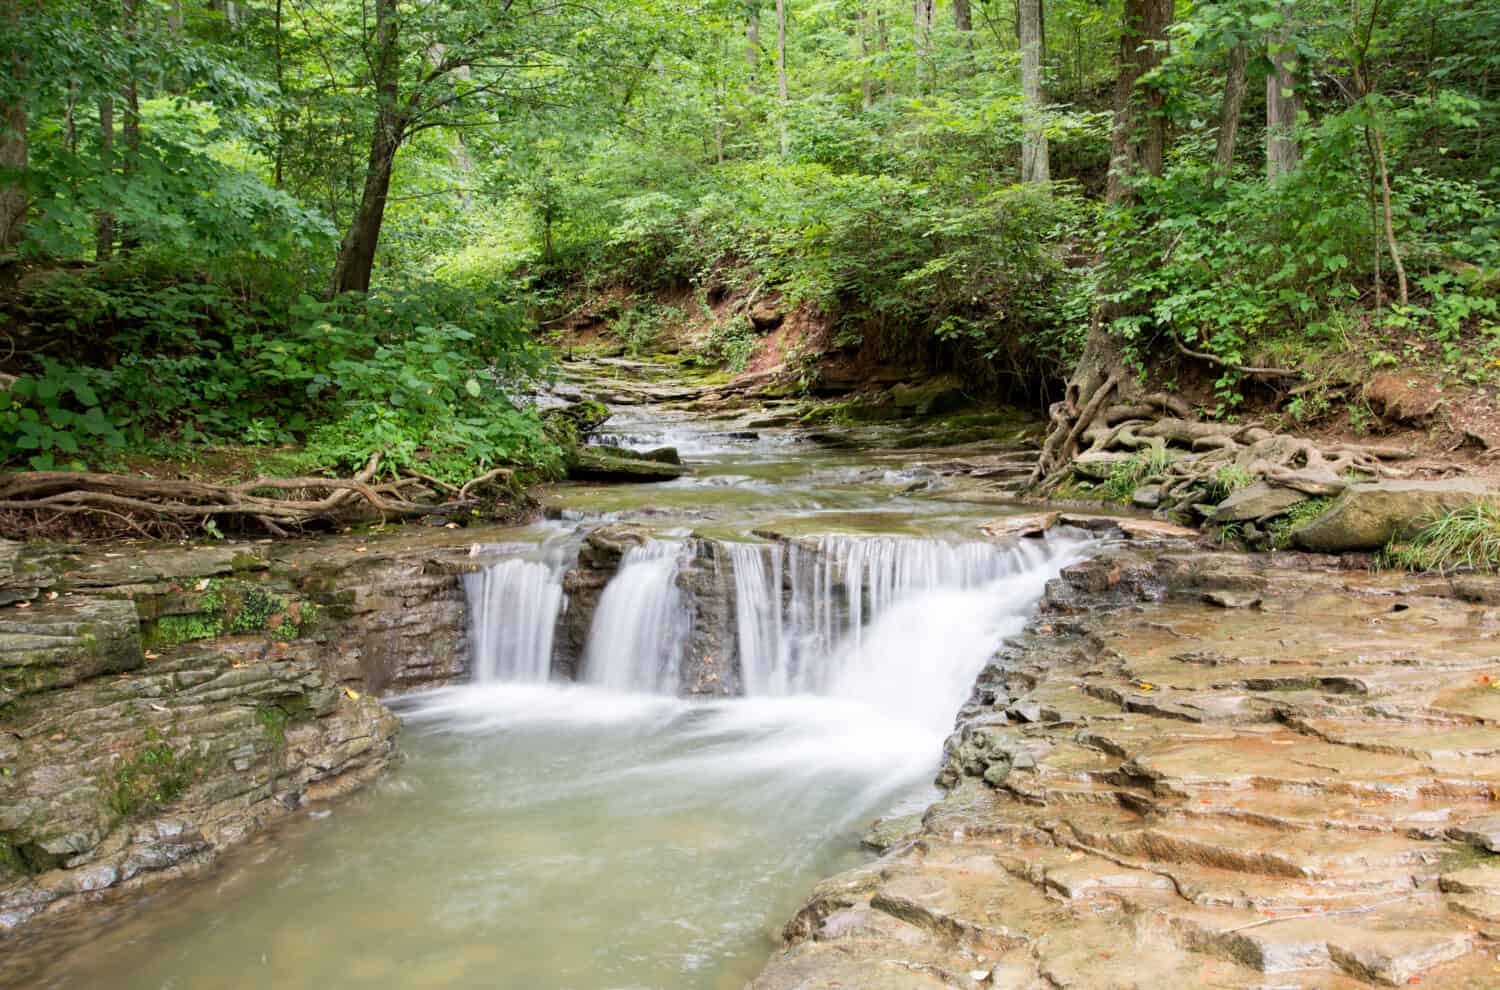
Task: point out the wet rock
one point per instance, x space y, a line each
62 642
1368 516
662 455
1254 503
709 667
1251 770
886 833
1028 526
603 464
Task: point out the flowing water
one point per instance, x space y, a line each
608 834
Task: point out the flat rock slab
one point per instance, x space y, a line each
1202 770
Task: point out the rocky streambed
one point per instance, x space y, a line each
1171 764
1206 770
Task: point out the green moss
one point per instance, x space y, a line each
255 610
171 630
11 861
273 720
1462 857
154 776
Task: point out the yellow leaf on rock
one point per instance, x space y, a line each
353 694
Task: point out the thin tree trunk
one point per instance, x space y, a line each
922 17
13 156
866 81
130 128
1385 202
1138 139
280 159
357 255
752 45
1229 112
1283 102
1034 164
782 93
882 32
104 226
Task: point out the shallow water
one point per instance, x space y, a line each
578 837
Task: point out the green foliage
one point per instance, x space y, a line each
639 326
152 776
1467 538
424 376
1280 529
174 630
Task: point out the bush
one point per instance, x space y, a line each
154 361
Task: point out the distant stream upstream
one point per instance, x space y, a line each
607 834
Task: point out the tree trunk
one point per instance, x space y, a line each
1283 102
13 156
357 255
1034 165
782 93
1138 139
104 225
1137 144
752 45
883 35
922 17
962 18
866 79
1229 111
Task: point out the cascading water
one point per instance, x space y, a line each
900 623
642 625
513 610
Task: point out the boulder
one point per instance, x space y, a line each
603 464
1099 465
1033 525
766 315
1368 516
662 455
1254 503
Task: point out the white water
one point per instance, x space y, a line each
902 624
641 627
513 610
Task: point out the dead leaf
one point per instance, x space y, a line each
23 604
352 694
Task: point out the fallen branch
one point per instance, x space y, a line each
1242 369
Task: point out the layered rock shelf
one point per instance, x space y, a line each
160 705
1199 770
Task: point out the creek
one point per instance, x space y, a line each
607 833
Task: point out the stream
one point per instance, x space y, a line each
608 834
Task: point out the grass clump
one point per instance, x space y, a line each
1127 476
1467 538
1280 529
1229 479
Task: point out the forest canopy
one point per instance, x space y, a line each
326 229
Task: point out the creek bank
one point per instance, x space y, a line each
158 705
1220 770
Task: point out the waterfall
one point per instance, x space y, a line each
513 610
642 626
902 624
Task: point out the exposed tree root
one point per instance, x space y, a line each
167 507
